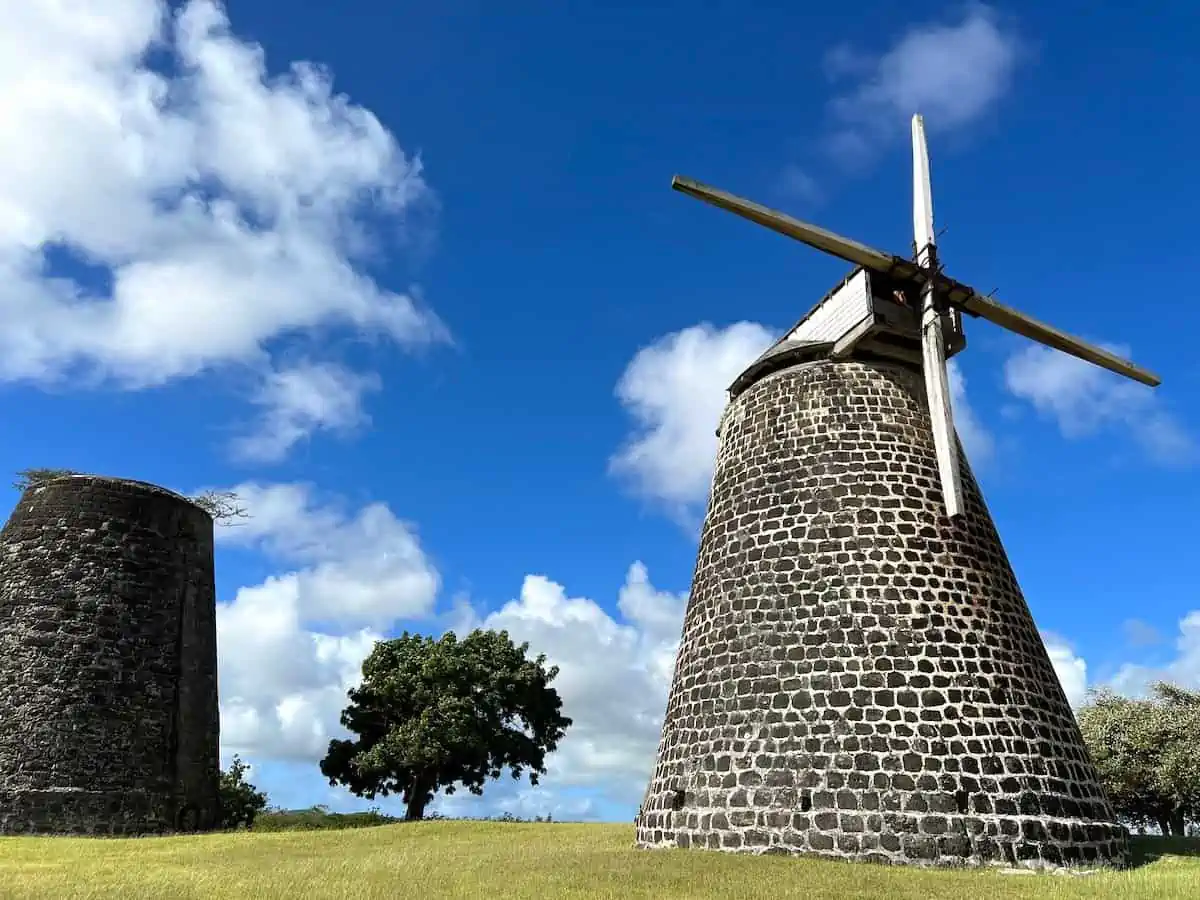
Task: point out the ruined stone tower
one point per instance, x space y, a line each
108 678
859 675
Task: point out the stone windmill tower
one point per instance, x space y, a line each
859 675
109 720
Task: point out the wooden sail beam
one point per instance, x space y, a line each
933 352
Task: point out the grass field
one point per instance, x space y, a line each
433 860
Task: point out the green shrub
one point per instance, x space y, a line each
241 801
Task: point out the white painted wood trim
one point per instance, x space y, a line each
848 341
941 417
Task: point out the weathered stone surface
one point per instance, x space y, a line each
860 677
108 680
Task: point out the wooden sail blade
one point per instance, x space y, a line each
923 237
941 416
1007 317
933 347
827 241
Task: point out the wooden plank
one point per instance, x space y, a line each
834 244
933 347
892 351
922 190
1006 317
840 311
848 341
941 417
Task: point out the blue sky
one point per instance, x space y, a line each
461 349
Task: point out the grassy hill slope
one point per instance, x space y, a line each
447 859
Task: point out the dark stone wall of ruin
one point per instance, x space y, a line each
108 679
858 676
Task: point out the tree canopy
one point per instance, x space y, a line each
1147 752
433 714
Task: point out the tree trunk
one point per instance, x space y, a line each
1164 825
1177 823
418 799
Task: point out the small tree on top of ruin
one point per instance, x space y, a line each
26 478
223 506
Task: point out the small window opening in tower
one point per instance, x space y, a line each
805 802
677 799
961 798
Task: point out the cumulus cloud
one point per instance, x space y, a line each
367 569
300 400
675 391
1083 399
291 646
1183 668
977 441
614 677
1070 668
952 73
160 221
289 653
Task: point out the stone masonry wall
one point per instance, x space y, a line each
858 676
108 681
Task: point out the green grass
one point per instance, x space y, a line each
432 860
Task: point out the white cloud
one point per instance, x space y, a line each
1183 669
1083 399
364 570
675 390
300 400
282 686
977 441
953 74
614 677
1070 668
284 676
218 207
290 647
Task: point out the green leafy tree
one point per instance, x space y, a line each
433 714
241 801
1147 752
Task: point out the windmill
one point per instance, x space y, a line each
859 675
936 303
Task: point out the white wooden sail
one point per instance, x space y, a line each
933 347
